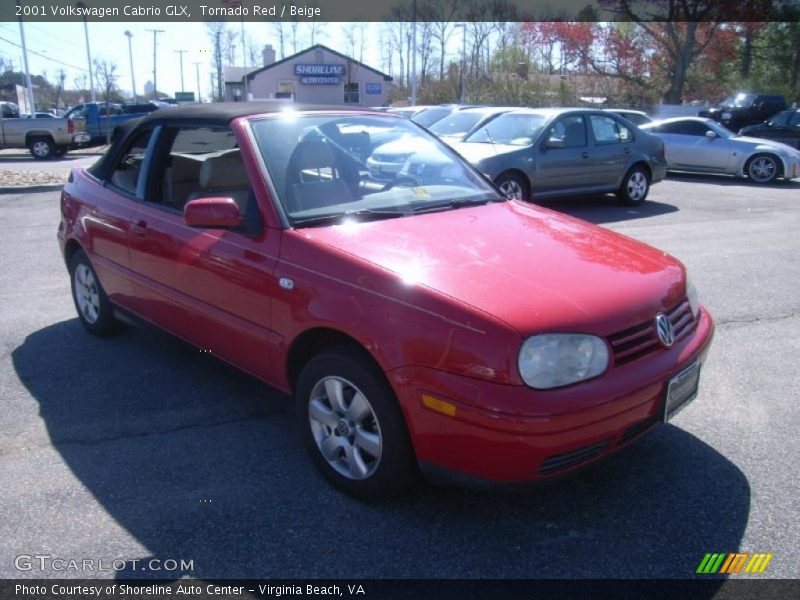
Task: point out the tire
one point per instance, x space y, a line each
763 168
514 186
361 445
42 148
94 310
635 186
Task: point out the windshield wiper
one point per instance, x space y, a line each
363 214
460 203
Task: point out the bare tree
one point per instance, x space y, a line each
215 30
441 15
105 72
279 29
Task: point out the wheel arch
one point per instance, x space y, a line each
316 340
639 162
70 248
30 135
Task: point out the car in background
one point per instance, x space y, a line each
458 125
740 110
438 328
783 127
700 145
408 111
546 153
637 117
9 110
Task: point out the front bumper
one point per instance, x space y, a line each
564 429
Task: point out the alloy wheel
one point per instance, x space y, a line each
762 169
637 186
345 427
87 296
511 189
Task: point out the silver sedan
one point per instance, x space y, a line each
699 145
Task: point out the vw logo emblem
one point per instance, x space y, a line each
666 335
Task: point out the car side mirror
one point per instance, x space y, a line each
216 213
554 143
712 135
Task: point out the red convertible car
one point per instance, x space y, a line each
434 327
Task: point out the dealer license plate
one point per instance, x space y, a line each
681 390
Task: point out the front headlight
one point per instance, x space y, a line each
555 359
692 296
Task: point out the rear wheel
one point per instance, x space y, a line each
763 168
94 310
42 148
635 186
514 186
352 425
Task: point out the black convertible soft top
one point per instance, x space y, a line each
217 113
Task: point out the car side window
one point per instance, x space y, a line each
205 162
794 121
694 128
609 131
571 131
126 174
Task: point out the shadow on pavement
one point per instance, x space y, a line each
729 180
199 462
607 209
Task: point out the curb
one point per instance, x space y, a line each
30 189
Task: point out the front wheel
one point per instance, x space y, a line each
763 168
514 186
352 426
634 188
94 310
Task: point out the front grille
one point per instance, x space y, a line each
635 430
559 462
640 340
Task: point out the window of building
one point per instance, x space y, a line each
351 93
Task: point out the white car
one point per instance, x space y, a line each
700 145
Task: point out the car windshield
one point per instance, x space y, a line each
738 101
429 116
511 129
319 167
458 124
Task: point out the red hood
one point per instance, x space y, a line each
535 269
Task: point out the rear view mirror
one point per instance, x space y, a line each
217 213
554 143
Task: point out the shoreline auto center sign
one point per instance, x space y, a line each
320 74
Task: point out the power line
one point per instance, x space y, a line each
44 56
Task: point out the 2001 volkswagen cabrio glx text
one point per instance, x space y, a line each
436 327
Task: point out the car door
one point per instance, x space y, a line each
562 162
688 146
112 207
209 286
612 144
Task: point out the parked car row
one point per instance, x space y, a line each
423 323
524 165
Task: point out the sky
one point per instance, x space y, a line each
62 45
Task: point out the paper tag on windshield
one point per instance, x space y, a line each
421 193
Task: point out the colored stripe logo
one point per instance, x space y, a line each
733 562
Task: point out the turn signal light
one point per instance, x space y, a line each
440 406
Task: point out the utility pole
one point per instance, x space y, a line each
130 54
414 54
32 106
244 61
155 71
197 77
181 53
88 52
218 57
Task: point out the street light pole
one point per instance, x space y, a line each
197 79
29 86
461 79
88 52
181 53
130 54
155 71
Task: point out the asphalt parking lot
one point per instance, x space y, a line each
140 446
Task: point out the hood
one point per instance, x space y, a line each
475 152
532 268
766 144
